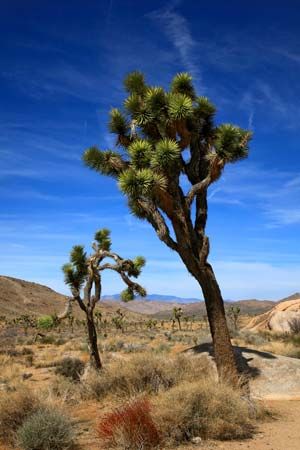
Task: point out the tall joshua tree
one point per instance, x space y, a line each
170 153
84 273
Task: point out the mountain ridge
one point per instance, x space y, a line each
25 297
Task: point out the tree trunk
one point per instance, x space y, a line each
93 347
223 351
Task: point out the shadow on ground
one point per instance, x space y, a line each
242 361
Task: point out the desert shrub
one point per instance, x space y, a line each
130 427
148 373
45 322
294 324
15 407
252 338
162 348
71 368
64 389
203 408
114 346
46 429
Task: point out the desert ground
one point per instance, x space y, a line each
147 356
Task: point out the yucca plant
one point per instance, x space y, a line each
83 272
164 135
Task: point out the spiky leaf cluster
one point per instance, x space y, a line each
182 84
140 151
231 142
118 123
141 182
136 266
135 83
75 271
154 129
106 162
102 237
180 106
129 293
166 156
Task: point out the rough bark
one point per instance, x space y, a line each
223 351
95 360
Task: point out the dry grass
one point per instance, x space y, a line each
278 343
15 407
202 408
143 373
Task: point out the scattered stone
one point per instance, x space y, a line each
26 376
196 440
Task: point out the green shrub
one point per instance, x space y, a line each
45 322
46 429
71 368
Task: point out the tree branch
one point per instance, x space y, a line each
77 297
156 219
197 189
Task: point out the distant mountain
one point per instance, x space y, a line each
24 297
155 298
290 297
18 297
249 307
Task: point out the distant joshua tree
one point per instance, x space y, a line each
177 314
234 314
171 153
118 320
84 273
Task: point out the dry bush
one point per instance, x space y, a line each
146 373
71 368
294 324
46 429
130 427
65 390
204 408
14 409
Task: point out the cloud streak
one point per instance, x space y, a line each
177 30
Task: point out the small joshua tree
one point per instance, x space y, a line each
234 314
177 314
171 153
118 320
84 273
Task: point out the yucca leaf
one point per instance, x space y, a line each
182 84
180 106
135 83
231 142
166 155
118 123
140 151
102 237
106 162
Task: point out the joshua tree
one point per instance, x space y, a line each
118 320
84 272
177 314
171 152
234 314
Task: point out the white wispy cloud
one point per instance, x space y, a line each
177 29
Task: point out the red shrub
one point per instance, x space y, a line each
130 426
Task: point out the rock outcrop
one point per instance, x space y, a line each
278 319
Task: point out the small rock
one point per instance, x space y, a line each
196 440
26 376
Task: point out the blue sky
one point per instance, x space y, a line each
62 65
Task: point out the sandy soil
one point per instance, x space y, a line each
282 433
